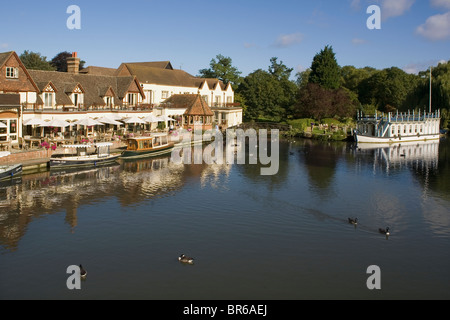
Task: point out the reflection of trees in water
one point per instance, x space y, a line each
130 182
253 171
320 159
435 175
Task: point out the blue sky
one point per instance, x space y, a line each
414 34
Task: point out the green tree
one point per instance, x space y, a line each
60 61
318 102
222 69
268 94
325 70
279 70
34 61
388 87
302 78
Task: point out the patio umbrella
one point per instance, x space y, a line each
57 123
165 118
34 122
109 121
88 122
151 119
134 120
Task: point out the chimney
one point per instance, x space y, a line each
73 64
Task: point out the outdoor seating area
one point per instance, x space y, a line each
58 133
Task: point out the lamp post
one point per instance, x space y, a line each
430 91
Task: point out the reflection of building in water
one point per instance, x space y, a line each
416 155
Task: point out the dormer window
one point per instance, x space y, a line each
109 101
48 99
12 73
132 99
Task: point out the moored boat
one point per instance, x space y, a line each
149 146
83 158
9 171
396 128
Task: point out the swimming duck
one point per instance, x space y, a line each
353 221
185 259
83 272
384 231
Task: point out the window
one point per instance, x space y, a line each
75 99
109 101
48 99
12 73
132 98
164 94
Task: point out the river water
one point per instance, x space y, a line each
276 237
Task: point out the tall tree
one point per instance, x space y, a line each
318 102
60 61
325 70
388 87
35 61
268 94
279 70
222 69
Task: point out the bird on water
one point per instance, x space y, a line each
384 231
83 272
183 258
353 221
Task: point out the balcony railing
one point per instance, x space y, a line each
33 107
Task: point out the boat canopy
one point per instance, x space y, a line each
104 144
77 145
4 154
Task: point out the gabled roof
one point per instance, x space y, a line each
156 73
5 57
94 86
194 104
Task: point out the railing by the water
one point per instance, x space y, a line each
264 125
399 117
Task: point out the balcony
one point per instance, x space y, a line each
36 108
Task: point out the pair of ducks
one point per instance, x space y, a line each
380 230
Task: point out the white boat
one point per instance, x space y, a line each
397 128
83 158
9 171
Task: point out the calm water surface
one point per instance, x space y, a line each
253 237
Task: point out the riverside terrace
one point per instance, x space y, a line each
134 89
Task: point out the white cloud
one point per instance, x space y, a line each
445 4
416 67
286 40
357 41
299 68
4 45
394 8
436 27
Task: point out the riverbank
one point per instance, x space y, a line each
38 159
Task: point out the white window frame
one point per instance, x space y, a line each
12 73
48 97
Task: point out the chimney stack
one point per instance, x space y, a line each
73 64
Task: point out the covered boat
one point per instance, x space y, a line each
396 128
9 171
78 155
153 145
